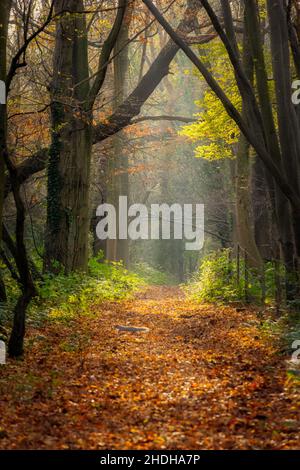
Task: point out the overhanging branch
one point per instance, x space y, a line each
129 109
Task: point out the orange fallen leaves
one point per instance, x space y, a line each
202 378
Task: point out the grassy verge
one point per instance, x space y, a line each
61 297
154 276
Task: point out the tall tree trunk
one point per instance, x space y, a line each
118 250
70 153
73 98
245 225
15 344
281 206
289 130
5 7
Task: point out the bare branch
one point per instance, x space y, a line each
15 63
106 51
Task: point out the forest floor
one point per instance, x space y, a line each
203 377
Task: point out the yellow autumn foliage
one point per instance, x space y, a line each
215 131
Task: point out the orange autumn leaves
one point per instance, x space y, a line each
204 377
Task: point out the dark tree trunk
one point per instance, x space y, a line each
281 207
5 7
70 153
289 133
68 216
3 297
16 340
15 345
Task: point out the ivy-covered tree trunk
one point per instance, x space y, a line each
72 95
68 215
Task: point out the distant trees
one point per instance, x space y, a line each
278 149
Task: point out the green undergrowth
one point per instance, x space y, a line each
153 276
220 279
63 297
285 330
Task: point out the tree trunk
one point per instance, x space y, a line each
245 225
16 340
289 133
15 344
68 215
281 206
118 250
288 125
4 17
264 224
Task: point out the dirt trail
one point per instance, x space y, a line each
203 377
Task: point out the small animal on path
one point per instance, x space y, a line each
132 329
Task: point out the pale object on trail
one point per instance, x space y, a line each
133 329
2 353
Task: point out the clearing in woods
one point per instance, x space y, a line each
203 377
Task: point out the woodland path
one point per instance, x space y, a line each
204 377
